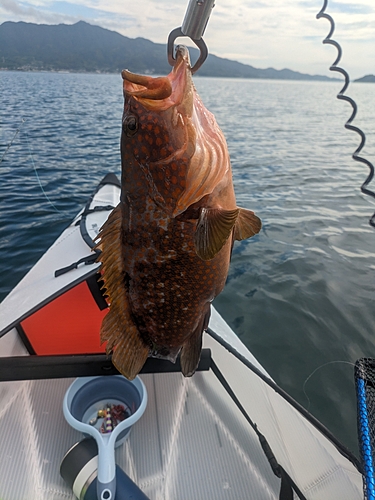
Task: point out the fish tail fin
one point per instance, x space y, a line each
118 329
191 349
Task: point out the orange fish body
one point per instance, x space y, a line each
166 247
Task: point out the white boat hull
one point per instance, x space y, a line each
193 441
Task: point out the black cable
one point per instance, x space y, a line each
340 95
287 483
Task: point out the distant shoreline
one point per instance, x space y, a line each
84 48
366 79
97 72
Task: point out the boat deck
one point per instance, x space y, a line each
192 442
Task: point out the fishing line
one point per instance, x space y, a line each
316 369
38 178
32 161
340 95
13 138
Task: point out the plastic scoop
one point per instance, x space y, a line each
83 402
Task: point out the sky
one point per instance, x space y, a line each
263 33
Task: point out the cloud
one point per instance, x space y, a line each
65 12
15 8
361 7
76 9
27 12
263 33
351 8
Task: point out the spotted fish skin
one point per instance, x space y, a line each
166 247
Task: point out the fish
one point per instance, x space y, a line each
166 247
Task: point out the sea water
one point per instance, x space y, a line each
300 294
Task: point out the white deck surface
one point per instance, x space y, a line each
192 443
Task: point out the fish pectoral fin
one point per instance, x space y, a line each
191 349
118 329
247 225
213 229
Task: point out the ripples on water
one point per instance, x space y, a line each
300 294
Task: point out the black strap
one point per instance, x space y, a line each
82 221
287 484
88 260
286 491
97 208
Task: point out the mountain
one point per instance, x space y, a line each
77 47
366 79
83 47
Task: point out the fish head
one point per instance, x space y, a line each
157 137
175 142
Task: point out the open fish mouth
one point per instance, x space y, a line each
163 92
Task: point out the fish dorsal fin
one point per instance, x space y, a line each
118 328
247 224
213 229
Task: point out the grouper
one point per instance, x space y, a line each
166 248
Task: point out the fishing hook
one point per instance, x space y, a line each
348 125
193 26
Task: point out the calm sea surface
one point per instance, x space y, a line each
301 293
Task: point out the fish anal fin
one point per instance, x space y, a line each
213 229
190 355
129 352
247 225
118 328
191 349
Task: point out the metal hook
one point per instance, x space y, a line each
199 43
193 26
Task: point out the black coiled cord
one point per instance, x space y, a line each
340 95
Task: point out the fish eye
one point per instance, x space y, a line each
130 125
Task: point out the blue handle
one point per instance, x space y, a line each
365 439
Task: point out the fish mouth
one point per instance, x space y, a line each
161 93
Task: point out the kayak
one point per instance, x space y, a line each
227 432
